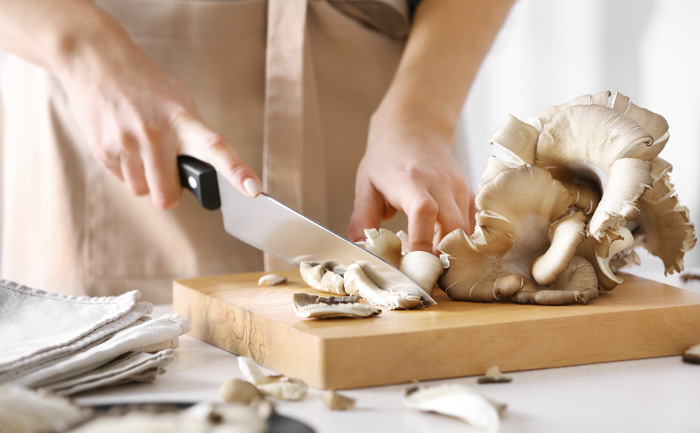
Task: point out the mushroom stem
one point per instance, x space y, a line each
423 268
566 235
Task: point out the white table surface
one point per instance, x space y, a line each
650 395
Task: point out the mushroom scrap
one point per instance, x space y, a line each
581 186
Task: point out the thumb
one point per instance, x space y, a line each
367 214
196 139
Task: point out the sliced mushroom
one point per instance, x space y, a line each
24 410
688 276
422 267
335 401
239 391
278 386
692 355
332 307
272 280
358 283
458 401
324 277
494 375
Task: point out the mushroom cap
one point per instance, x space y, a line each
384 244
665 224
581 142
519 208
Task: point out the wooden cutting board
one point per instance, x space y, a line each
639 319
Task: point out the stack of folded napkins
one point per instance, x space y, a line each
69 344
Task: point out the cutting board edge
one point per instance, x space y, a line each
623 344
247 327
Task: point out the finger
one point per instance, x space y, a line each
422 212
368 212
133 173
159 156
449 216
198 140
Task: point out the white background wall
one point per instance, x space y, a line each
550 51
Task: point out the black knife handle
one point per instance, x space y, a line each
200 178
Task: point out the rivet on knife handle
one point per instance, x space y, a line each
200 178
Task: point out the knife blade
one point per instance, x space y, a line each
269 225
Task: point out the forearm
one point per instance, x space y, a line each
62 36
448 41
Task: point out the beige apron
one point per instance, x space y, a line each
290 83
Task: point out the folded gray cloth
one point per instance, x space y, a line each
51 355
74 343
130 367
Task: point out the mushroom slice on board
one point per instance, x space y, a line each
423 268
278 386
358 283
332 307
271 280
524 239
456 400
322 276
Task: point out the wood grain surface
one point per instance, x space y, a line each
639 319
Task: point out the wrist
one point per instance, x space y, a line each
92 43
418 117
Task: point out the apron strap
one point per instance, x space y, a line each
283 134
284 104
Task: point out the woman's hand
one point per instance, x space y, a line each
135 117
409 167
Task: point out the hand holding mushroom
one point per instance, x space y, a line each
413 172
582 187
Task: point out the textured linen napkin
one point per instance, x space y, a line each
34 322
74 343
130 367
154 331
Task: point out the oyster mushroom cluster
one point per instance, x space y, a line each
580 188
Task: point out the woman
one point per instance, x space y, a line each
308 93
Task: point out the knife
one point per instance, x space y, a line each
271 226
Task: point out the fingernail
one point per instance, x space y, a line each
252 187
